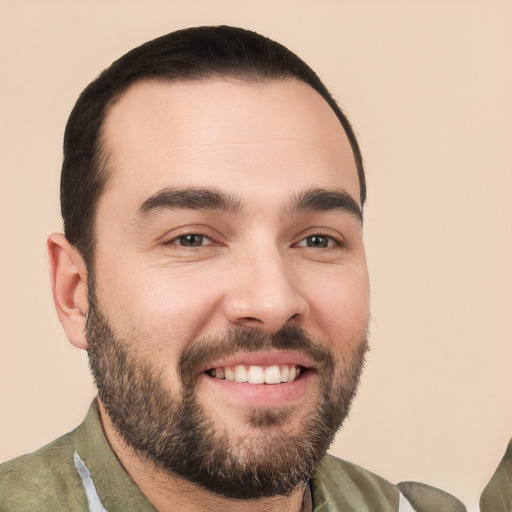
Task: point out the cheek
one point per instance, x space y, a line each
167 306
340 308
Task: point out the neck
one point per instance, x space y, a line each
168 492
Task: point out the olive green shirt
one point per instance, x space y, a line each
497 495
79 472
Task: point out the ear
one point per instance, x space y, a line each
68 276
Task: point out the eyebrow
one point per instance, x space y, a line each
202 198
321 200
192 198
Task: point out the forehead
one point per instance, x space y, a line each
228 134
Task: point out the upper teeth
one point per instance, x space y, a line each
257 374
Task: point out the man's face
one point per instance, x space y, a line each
228 248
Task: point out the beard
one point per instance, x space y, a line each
177 436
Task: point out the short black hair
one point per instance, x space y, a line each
188 54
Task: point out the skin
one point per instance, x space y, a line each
263 144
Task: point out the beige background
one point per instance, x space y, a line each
428 86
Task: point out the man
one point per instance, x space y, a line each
213 268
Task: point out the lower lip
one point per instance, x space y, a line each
263 395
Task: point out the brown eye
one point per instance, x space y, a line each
192 240
317 242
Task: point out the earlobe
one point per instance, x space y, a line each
68 276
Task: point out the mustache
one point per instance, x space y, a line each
247 339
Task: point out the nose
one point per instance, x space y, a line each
265 293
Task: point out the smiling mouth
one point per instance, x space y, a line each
252 374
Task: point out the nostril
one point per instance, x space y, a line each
295 319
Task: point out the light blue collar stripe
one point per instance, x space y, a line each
93 499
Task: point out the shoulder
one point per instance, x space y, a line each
341 485
497 495
41 480
424 497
